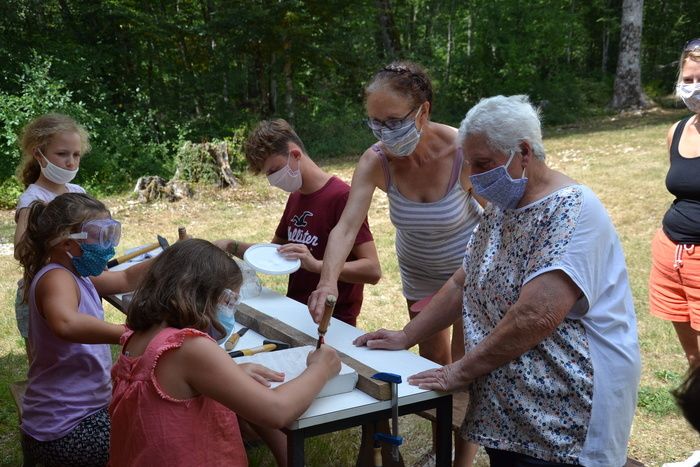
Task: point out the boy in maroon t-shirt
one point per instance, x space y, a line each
315 203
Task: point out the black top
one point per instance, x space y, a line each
682 220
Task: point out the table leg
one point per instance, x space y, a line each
295 449
443 432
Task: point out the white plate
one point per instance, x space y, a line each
264 258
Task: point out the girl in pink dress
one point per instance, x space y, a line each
176 392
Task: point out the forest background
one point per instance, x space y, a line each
144 76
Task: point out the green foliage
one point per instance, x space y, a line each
657 401
145 76
195 164
10 189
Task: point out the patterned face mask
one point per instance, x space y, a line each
401 141
498 187
94 259
690 94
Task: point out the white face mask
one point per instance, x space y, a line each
690 94
56 174
285 178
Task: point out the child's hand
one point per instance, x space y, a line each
262 374
327 357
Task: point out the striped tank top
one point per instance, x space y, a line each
430 237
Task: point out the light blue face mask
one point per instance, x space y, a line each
498 187
226 315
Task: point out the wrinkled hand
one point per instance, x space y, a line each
262 374
383 339
317 300
326 356
301 252
439 379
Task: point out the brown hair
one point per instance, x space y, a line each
38 134
405 78
268 139
183 287
47 222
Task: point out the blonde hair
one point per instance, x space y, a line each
38 134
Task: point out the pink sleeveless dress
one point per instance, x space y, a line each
151 428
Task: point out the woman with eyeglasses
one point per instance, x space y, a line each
418 163
674 283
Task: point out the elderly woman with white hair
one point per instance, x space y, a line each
551 353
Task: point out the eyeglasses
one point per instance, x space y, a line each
103 232
391 124
230 299
692 44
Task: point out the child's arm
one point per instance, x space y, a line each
201 358
57 298
126 280
20 228
238 249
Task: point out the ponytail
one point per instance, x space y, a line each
47 222
32 249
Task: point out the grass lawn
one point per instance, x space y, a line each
624 160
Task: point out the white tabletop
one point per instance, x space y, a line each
340 336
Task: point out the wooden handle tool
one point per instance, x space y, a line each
233 340
123 259
326 319
268 346
181 233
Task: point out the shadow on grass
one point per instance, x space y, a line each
13 367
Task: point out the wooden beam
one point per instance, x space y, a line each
272 328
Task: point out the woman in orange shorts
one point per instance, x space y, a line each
674 284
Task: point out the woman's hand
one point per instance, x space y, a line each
445 378
301 252
317 300
262 374
327 357
383 339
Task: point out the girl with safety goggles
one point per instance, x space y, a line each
185 387
64 252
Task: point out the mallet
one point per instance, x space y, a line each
162 242
326 319
268 346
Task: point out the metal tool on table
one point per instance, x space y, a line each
162 243
268 346
393 439
233 340
326 319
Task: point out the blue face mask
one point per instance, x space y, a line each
498 187
93 260
226 315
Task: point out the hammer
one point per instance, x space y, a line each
162 242
326 319
268 346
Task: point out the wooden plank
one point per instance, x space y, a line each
272 328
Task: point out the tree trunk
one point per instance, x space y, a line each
628 92
288 81
391 45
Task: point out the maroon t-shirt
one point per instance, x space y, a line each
309 219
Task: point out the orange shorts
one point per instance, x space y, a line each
674 282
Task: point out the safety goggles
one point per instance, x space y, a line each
691 45
103 232
229 301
